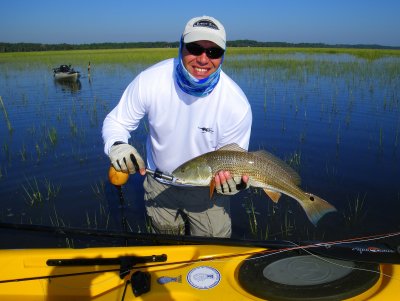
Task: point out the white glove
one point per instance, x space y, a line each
227 185
124 157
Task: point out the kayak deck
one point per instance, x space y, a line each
201 272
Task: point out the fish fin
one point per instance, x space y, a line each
232 147
280 165
315 207
212 187
274 195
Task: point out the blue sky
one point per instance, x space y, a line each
294 21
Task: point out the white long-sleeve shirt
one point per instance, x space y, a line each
181 126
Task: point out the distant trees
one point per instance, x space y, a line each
25 47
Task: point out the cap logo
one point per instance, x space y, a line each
206 23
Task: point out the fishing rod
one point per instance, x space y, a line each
118 179
128 263
363 249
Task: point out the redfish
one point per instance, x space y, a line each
265 171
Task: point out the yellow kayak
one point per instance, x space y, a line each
189 272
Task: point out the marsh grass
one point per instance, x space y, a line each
98 189
52 135
32 192
251 212
36 194
142 56
3 107
102 219
147 56
367 54
52 190
55 220
356 211
38 152
23 153
294 160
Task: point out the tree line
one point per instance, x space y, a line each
26 47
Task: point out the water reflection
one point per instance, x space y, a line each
68 85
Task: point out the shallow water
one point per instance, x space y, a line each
334 118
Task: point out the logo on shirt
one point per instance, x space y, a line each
206 130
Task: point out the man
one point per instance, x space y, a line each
193 108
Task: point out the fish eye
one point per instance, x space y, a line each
312 198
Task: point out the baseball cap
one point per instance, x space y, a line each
205 28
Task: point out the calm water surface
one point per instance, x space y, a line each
333 118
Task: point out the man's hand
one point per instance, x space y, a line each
124 157
225 184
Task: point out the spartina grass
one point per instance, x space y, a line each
52 135
294 160
56 220
288 226
10 129
252 216
36 194
356 211
23 153
32 192
52 190
99 190
38 152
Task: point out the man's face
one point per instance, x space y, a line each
200 66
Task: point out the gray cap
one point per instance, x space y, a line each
205 28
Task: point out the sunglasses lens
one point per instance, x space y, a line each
212 53
194 49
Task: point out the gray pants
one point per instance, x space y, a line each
168 207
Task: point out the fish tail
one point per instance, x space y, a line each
315 207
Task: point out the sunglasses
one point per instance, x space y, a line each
212 52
